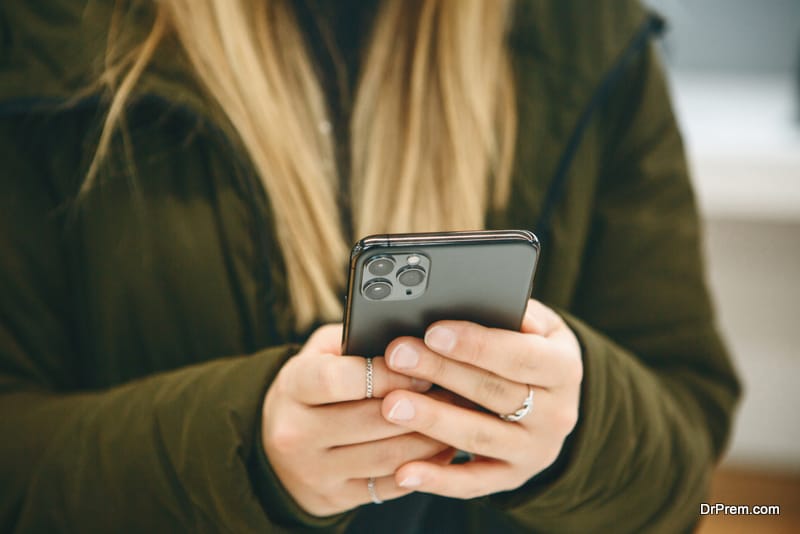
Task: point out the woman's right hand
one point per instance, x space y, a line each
325 439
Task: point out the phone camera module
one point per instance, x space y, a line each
380 265
411 276
377 289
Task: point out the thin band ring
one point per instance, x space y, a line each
373 495
369 378
525 409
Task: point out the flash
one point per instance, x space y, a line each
413 260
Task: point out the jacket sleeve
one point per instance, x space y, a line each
173 452
659 390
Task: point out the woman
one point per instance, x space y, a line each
174 233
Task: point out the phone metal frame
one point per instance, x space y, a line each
423 239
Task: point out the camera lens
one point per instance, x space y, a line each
380 265
378 289
411 276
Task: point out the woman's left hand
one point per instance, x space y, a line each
494 369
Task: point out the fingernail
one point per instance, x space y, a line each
440 339
403 357
420 385
403 410
411 481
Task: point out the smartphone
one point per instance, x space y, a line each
399 284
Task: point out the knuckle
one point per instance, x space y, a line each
438 368
478 344
479 440
523 364
284 438
491 387
566 419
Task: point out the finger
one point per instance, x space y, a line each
539 319
525 358
487 389
468 430
326 339
444 395
316 379
386 489
444 457
461 481
382 458
349 423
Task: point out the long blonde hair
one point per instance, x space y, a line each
432 130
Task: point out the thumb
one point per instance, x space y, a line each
326 339
539 319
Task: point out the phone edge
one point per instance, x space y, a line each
430 238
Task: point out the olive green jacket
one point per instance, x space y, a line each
140 329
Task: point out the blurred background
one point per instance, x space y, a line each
734 68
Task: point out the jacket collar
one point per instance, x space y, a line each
52 54
51 50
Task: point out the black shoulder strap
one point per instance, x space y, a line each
653 26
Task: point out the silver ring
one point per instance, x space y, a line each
527 406
369 378
372 493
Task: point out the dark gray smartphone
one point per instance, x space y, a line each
401 283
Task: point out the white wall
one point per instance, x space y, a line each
754 271
744 150
735 72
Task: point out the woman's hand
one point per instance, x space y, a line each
494 369
324 439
